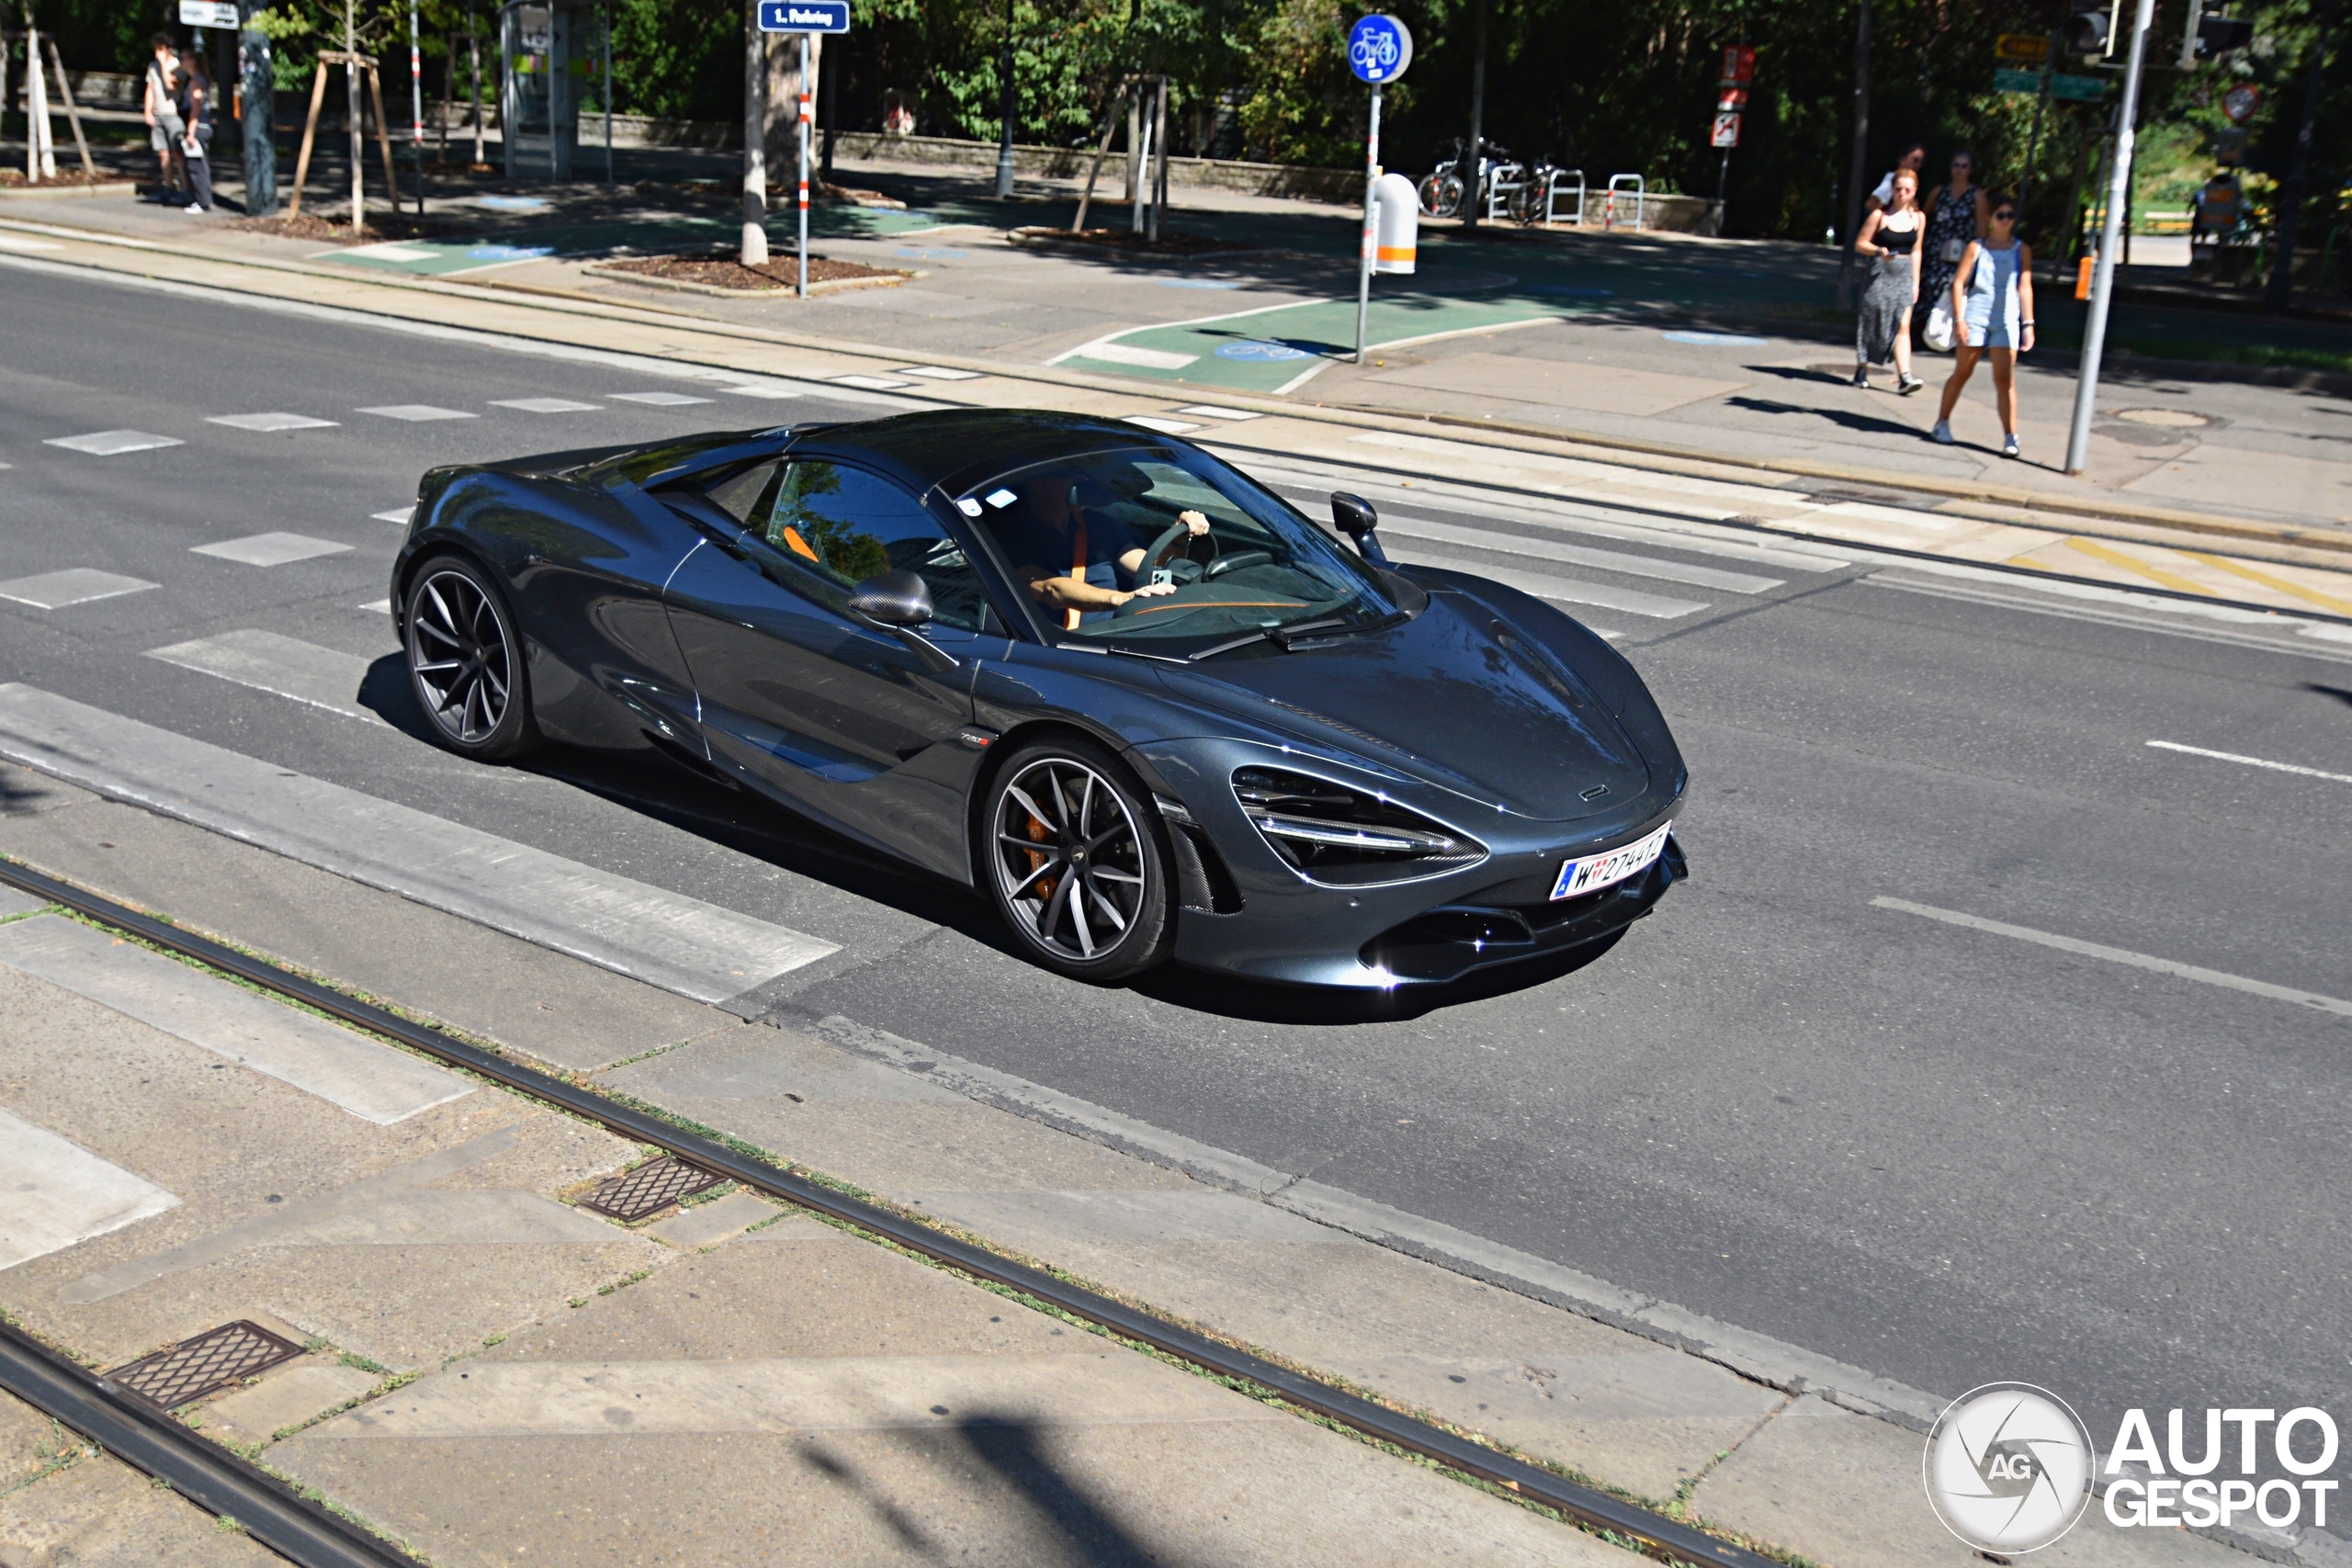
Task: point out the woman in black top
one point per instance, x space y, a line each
1890 239
196 113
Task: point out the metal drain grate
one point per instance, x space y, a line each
650 1189
216 1359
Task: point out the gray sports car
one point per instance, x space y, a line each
1143 704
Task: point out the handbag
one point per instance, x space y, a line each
1938 332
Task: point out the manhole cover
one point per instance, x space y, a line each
2166 419
650 1189
216 1359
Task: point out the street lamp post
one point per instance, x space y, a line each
1004 140
2119 191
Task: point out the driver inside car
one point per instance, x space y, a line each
1095 562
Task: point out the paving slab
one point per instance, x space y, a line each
287 1396
99 1513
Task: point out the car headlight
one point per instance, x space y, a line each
1332 833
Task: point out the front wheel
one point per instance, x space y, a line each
1075 860
465 660
1441 196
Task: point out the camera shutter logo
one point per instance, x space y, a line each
2008 1467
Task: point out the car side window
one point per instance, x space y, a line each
828 526
738 494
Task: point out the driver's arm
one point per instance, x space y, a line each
1057 590
1193 522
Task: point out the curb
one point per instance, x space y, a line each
1516 438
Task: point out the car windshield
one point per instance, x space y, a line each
1166 550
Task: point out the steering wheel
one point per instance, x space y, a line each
1177 531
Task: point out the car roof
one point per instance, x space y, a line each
958 448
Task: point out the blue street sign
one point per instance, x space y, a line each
1379 48
804 16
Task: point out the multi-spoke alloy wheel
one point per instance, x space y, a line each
466 662
1075 863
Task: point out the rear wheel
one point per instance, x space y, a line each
1074 857
466 662
1441 195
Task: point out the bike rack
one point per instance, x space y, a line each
1616 184
1552 196
1495 191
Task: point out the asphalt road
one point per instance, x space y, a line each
1947 1155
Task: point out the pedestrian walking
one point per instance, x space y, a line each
161 109
1956 217
1914 158
196 144
1992 310
1890 237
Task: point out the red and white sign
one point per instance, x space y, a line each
1731 100
1726 130
2239 102
1739 65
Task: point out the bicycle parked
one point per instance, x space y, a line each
1441 189
1529 201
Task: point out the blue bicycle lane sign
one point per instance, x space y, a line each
1379 48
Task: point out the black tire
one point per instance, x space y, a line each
466 662
1069 843
1441 195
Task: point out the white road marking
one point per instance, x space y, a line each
2252 762
2120 955
1568 590
401 515
1210 410
109 442
1128 353
2025 598
369 1079
1578 555
870 383
939 372
270 549
665 939
54 1193
280 665
768 389
380 606
418 413
268 422
11 242
657 399
546 405
543 1399
383 250
75 585
1153 422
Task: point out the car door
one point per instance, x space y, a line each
840 720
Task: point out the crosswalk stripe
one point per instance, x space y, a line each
368 1079
54 1194
665 939
1578 555
1567 590
282 665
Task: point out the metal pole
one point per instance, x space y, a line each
805 123
1004 137
1159 170
1471 183
607 13
1371 233
2188 39
473 52
358 119
416 103
755 154
1859 172
2118 184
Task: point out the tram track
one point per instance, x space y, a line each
308 1533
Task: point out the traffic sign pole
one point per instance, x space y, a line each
1371 241
805 53
2118 189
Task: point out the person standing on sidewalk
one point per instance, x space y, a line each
1890 239
1992 313
1956 217
196 145
161 109
1914 159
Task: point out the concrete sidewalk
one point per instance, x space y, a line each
1641 352
599 1406
483 1369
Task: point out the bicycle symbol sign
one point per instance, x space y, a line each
1379 48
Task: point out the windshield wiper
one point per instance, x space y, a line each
1212 651
1285 637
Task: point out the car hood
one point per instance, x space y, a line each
1454 697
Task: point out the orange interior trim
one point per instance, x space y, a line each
799 545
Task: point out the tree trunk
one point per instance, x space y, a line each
1860 169
2297 190
755 130
358 119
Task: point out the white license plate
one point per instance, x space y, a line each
1596 872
